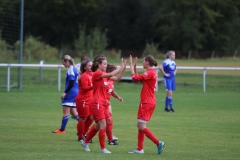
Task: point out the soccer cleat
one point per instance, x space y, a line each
112 143
85 146
167 110
114 138
58 131
137 151
105 150
172 110
160 146
80 139
85 136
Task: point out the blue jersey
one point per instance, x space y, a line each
169 67
72 74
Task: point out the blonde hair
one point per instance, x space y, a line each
169 53
68 58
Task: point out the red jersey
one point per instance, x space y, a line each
100 86
85 87
149 79
110 89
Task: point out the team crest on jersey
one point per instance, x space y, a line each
145 74
105 83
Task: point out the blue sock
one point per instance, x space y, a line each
166 103
170 102
64 122
77 118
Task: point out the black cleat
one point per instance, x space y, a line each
167 110
172 110
112 143
80 140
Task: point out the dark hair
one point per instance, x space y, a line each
83 65
84 58
150 59
98 60
110 68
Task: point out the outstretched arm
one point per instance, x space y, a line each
131 65
135 65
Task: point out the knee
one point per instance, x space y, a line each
109 120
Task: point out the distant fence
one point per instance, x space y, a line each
41 65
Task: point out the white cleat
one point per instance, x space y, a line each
105 150
85 146
137 151
115 138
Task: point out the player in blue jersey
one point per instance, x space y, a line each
169 70
69 94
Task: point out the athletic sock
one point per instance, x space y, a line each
88 123
64 123
77 118
91 134
109 132
150 135
101 137
80 128
140 140
170 102
166 103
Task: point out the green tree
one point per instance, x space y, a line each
196 25
56 21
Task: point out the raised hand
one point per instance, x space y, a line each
135 62
130 60
123 64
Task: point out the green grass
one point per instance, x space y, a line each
204 126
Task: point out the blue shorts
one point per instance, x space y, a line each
69 101
170 84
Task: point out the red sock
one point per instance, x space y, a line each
88 123
140 140
101 137
109 132
91 134
150 135
80 128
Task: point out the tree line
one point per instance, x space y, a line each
130 25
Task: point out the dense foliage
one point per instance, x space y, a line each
185 25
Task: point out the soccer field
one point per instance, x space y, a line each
204 126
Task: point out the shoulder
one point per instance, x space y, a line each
78 66
151 72
97 74
84 74
166 62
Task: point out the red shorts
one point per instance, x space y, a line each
145 111
83 108
99 111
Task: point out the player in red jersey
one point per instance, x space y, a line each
147 101
83 99
110 92
99 100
